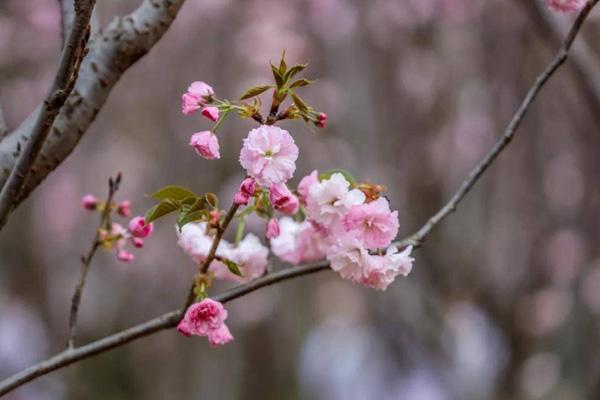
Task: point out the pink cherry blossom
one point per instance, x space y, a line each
206 145
138 227
203 318
211 113
189 103
89 202
380 271
348 257
125 256
566 6
373 223
219 336
247 190
251 255
124 208
269 155
321 120
328 201
298 242
283 199
137 242
198 94
184 328
272 229
196 243
306 183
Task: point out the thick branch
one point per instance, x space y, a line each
112 51
68 70
171 319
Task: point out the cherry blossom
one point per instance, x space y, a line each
329 200
206 145
373 223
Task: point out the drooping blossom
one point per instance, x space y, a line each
269 155
206 145
198 94
373 223
329 200
89 202
246 191
124 208
283 200
298 242
139 228
210 112
272 229
566 6
206 318
306 183
380 271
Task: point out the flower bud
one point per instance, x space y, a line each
206 145
272 229
211 113
283 199
321 120
124 208
139 229
137 242
89 202
125 256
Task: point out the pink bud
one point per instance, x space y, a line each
137 242
124 208
306 183
272 229
211 113
89 202
247 190
283 199
214 217
206 145
241 199
138 227
321 119
566 6
202 90
189 103
184 328
125 256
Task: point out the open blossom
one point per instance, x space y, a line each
247 190
269 155
139 228
380 271
196 243
198 94
373 223
348 257
211 112
566 5
89 202
206 318
328 201
272 229
298 242
283 200
305 184
252 257
206 145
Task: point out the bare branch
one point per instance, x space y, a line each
68 70
112 51
171 319
67 12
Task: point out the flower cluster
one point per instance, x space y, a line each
566 6
206 318
112 235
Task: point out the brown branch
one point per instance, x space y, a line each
86 261
64 81
171 319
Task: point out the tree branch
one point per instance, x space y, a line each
112 51
3 127
68 70
170 320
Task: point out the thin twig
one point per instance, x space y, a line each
86 261
171 319
68 70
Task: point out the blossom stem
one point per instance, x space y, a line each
220 121
86 261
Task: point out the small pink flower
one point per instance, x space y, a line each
348 257
89 202
272 229
137 242
305 184
330 200
124 208
189 103
283 199
138 227
211 113
269 155
252 257
219 336
184 328
373 223
321 120
202 318
566 6
197 95
206 145
298 242
247 190
381 271
125 256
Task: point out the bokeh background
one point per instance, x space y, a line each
504 300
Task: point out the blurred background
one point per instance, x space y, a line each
504 299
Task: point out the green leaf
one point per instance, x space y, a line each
163 208
302 106
300 83
232 266
193 216
211 199
294 70
282 64
172 192
346 174
255 91
278 76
